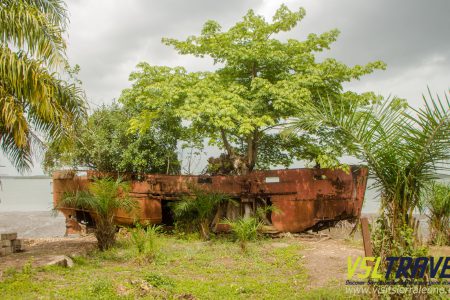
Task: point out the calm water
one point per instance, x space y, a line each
24 195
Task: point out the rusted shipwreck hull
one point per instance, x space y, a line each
305 198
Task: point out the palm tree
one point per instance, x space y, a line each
404 149
245 229
103 199
35 102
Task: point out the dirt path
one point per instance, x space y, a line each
41 251
326 261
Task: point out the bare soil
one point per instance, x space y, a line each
41 251
326 261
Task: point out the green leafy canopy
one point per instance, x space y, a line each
261 82
105 144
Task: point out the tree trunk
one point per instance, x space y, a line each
204 226
105 232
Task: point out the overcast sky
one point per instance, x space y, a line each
108 38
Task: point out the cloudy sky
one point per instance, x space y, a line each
108 38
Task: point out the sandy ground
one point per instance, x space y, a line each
41 251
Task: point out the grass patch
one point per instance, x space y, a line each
186 269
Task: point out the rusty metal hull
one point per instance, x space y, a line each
305 198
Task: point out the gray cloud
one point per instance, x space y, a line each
109 38
409 35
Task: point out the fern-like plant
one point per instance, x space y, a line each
199 210
145 240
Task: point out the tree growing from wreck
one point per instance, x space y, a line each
261 82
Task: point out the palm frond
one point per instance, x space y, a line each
36 26
34 100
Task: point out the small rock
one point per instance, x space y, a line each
122 290
62 261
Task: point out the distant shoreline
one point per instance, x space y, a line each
25 177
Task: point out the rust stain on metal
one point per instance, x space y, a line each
305 198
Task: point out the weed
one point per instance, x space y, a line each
159 281
102 289
437 202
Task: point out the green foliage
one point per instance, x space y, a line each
437 203
261 83
198 210
145 240
35 104
404 149
101 287
104 143
245 229
159 281
103 199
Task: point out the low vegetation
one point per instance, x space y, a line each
145 240
183 270
244 230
